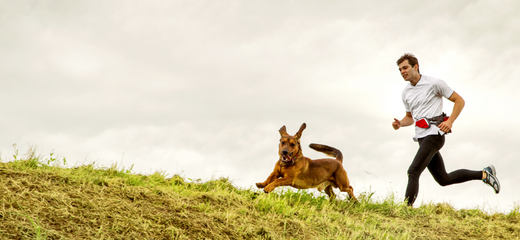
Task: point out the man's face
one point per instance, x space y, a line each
408 72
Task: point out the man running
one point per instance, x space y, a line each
422 99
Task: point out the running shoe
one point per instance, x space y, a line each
491 169
491 178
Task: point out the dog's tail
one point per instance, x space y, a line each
328 150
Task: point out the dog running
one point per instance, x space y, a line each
295 170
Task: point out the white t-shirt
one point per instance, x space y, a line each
424 100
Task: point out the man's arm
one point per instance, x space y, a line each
406 121
457 108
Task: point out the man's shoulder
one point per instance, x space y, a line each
429 79
438 85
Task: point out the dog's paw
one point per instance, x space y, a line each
260 185
268 188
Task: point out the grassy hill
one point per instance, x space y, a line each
40 200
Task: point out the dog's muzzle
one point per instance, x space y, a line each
286 157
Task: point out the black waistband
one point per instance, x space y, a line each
437 119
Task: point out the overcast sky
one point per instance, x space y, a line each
200 88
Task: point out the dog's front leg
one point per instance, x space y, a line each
269 180
274 175
285 181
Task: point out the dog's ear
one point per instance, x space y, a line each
283 131
299 133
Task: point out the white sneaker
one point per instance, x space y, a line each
491 178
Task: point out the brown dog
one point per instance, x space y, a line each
295 170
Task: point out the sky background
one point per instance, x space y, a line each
200 88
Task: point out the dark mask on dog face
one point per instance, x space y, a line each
289 148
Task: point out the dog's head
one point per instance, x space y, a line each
290 148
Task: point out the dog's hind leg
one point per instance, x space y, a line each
330 192
350 191
341 180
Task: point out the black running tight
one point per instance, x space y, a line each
428 156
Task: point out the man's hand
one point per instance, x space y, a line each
446 126
396 124
406 121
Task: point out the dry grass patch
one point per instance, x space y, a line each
39 201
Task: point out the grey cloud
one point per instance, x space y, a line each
173 85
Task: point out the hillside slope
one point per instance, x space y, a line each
38 201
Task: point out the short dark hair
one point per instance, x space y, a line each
412 60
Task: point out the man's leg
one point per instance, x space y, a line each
438 171
429 146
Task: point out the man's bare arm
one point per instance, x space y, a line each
457 108
406 121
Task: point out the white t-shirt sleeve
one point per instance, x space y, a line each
406 105
442 88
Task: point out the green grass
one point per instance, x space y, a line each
41 199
